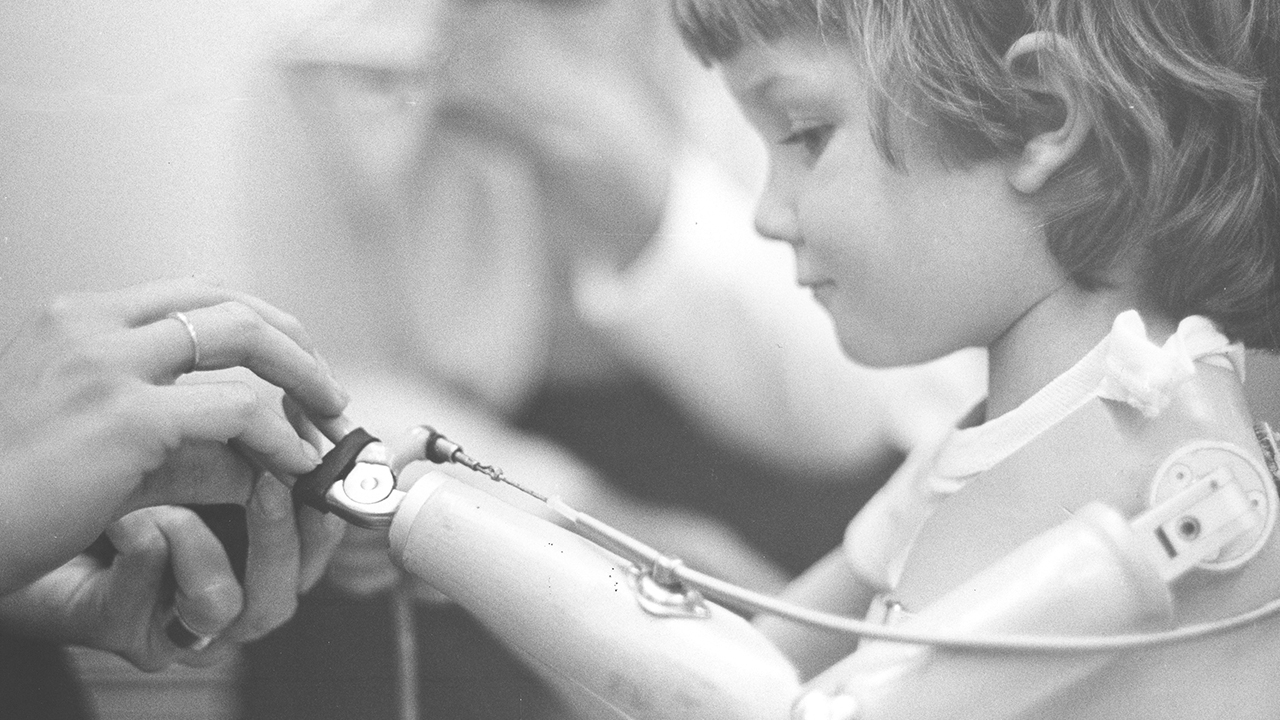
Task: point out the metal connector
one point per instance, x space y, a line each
354 481
1213 506
367 496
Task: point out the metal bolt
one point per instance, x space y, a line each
1189 527
1181 474
368 483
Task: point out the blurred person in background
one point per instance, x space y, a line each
549 259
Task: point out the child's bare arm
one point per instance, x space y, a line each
829 585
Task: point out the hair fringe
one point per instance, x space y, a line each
1181 171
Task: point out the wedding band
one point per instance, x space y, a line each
191 332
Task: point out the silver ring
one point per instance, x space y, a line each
191 332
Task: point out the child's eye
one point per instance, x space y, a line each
813 139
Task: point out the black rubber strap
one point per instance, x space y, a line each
311 488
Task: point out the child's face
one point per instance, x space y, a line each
911 264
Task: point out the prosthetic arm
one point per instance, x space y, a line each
1096 575
627 632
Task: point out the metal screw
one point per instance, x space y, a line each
1181 474
1189 527
368 483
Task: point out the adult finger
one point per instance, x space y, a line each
319 535
148 302
220 412
306 429
200 472
157 353
213 338
206 595
140 589
271 569
233 334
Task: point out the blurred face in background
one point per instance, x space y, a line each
582 90
547 141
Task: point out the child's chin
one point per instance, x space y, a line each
868 353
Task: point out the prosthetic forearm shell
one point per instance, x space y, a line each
566 606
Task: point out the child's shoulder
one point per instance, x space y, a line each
1105 451
1110 452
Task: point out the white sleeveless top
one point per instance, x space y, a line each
1125 367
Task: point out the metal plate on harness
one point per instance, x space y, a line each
1197 460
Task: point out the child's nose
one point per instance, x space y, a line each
775 215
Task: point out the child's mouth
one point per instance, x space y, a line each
822 290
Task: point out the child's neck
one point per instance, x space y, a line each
1051 337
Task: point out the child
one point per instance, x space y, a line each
1087 188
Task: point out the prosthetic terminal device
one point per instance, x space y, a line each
630 632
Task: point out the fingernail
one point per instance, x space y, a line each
327 369
312 454
271 498
182 635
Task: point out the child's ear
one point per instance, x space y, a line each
1033 59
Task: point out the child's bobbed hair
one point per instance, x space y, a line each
1180 172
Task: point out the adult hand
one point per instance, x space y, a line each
93 424
167 565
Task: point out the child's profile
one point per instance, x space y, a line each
1088 190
